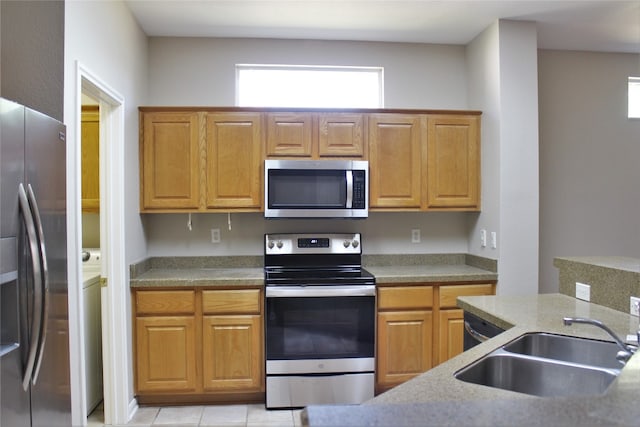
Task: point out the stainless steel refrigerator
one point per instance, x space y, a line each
34 347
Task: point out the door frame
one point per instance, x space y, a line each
114 283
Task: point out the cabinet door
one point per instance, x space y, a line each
395 161
451 334
165 353
289 135
90 140
234 158
454 162
232 353
170 161
341 135
404 346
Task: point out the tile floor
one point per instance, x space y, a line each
206 416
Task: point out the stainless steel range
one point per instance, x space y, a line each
320 320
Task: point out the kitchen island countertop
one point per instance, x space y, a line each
436 398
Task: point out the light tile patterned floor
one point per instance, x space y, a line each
206 416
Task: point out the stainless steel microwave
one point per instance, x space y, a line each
316 188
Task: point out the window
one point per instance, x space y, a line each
634 97
307 86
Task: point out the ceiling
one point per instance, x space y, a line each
607 26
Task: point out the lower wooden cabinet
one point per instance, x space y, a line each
405 334
404 346
199 345
166 353
419 327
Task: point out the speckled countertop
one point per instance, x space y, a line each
248 271
436 398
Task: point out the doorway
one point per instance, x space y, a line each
113 277
91 251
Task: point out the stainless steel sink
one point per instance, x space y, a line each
570 349
544 364
537 376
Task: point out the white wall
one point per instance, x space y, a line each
200 71
502 67
106 40
197 71
382 233
589 157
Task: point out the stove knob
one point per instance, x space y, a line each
355 243
279 244
271 244
346 243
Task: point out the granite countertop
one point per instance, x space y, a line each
248 271
436 398
239 276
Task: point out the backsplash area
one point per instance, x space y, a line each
612 280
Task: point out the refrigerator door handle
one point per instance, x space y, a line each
44 281
36 318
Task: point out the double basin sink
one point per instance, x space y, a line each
544 364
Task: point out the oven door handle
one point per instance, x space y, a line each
320 291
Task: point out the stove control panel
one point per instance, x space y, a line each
286 244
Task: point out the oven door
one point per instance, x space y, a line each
320 329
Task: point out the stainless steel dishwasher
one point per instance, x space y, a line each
478 330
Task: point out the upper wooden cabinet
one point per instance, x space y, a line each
234 161
316 135
453 162
211 159
90 139
424 162
170 161
201 162
289 134
396 160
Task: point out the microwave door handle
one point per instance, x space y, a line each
349 176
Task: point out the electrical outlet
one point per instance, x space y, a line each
415 235
634 306
494 240
215 235
483 238
583 291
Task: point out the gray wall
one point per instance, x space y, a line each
589 156
32 54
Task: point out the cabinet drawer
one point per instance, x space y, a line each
405 297
165 302
449 294
231 301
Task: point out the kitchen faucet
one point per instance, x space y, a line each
623 355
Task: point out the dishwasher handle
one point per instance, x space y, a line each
474 334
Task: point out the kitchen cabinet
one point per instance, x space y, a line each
234 161
405 334
396 161
90 172
199 345
170 161
453 162
232 340
451 323
211 159
165 341
316 135
196 161
419 327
